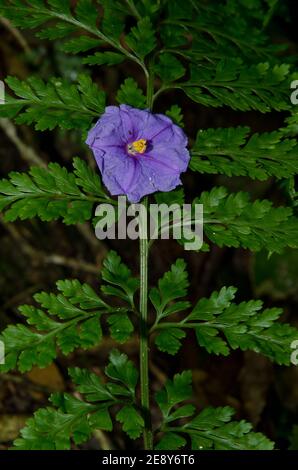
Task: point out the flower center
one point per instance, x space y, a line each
139 146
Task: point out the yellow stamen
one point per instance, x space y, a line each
139 146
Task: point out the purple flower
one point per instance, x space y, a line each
138 152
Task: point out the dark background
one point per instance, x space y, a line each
33 255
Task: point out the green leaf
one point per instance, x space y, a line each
101 419
56 103
122 370
169 68
291 128
175 113
113 18
218 30
232 220
221 325
95 390
131 94
171 441
121 327
118 274
73 419
90 385
51 193
104 58
57 21
175 392
80 44
184 411
168 340
150 7
86 12
172 197
233 84
50 429
141 38
132 421
66 321
86 178
231 151
213 429
205 309
172 286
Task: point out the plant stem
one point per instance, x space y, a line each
150 87
133 9
144 347
144 330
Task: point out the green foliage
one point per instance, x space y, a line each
132 421
57 103
71 320
232 220
51 193
56 20
220 325
121 326
173 394
65 320
169 68
80 44
124 285
130 93
243 325
73 419
171 441
122 370
149 7
175 113
210 429
113 20
142 39
291 128
219 54
213 429
259 87
172 286
51 429
104 58
169 339
232 151
212 30
173 197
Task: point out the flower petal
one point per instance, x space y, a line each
169 158
158 169
119 172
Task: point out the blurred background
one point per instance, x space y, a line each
33 255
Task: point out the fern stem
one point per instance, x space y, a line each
144 346
150 87
144 330
133 9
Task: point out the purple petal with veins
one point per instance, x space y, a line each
138 152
